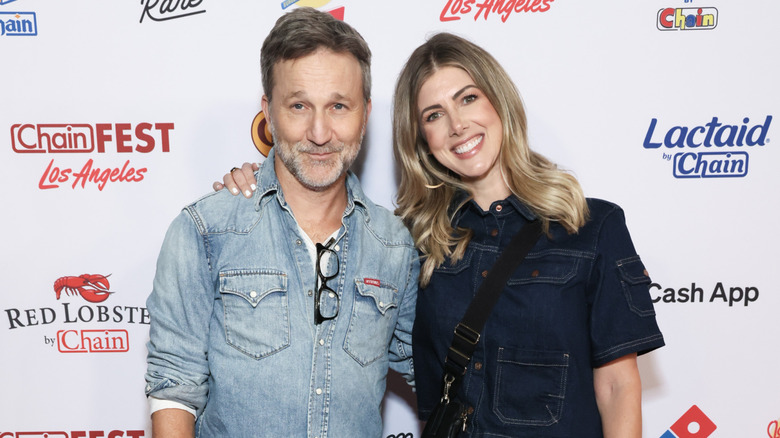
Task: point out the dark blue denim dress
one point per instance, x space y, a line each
577 302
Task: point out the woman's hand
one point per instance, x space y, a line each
242 180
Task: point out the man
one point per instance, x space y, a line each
279 317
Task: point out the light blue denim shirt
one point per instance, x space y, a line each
232 330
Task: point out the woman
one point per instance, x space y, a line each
557 357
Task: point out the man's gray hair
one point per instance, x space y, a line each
304 31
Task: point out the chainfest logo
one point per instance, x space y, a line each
83 138
455 9
693 424
94 289
715 149
76 434
164 10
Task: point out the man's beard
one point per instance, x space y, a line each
315 174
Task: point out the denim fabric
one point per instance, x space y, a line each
232 317
577 302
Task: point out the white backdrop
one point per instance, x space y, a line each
157 98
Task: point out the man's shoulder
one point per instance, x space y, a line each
385 225
221 211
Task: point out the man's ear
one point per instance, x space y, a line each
265 104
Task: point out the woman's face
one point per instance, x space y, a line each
461 127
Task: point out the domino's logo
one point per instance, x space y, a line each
693 424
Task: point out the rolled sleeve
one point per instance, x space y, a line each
180 307
401 345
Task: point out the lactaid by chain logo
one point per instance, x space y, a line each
455 9
726 145
693 424
18 24
687 19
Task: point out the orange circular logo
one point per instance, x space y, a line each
261 134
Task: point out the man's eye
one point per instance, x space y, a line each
339 106
297 106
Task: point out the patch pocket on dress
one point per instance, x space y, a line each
551 269
635 281
256 315
372 320
530 386
457 267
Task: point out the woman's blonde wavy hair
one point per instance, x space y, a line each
427 188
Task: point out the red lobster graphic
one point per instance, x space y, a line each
93 288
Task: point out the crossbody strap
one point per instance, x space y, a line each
467 332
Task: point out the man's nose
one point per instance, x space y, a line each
320 129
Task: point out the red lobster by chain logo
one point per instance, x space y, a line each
93 288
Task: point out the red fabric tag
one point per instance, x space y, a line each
371 281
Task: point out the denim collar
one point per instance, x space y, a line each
512 200
268 184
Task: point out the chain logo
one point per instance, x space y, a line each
18 24
687 19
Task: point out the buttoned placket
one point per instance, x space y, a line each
322 365
474 382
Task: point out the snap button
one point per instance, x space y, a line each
336 248
535 273
298 242
318 391
331 294
322 342
310 292
477 366
381 304
470 410
494 232
484 274
499 207
253 294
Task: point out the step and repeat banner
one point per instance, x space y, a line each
114 115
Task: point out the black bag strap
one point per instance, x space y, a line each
467 332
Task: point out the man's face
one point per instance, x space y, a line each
317 116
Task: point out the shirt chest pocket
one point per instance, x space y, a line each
255 310
372 320
550 271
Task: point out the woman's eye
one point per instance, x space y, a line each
432 116
470 98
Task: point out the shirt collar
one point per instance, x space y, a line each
471 205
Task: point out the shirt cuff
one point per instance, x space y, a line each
156 404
